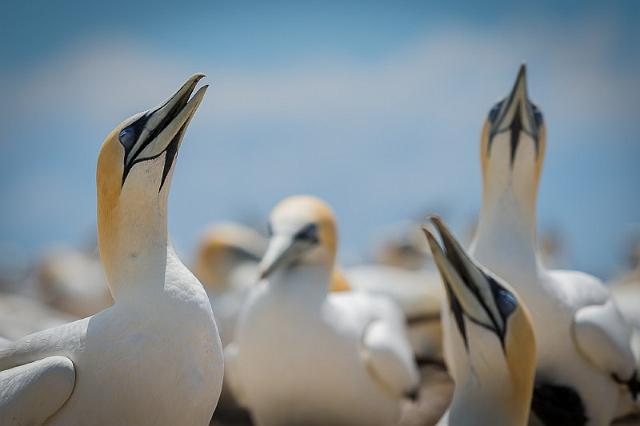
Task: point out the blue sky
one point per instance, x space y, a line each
374 106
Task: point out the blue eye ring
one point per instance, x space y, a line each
493 113
127 137
506 301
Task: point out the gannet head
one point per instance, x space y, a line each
492 322
302 233
513 138
222 248
133 175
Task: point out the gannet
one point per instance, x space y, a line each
303 355
21 315
491 336
154 357
419 295
227 262
404 273
584 361
73 281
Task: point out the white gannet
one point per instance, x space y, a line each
419 295
302 355
405 274
154 357
584 361
492 341
73 281
21 315
227 262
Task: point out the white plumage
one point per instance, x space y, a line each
582 339
155 356
304 356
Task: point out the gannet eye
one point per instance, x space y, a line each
127 138
308 233
493 114
506 302
537 115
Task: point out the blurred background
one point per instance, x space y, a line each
374 106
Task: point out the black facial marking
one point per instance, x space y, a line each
131 134
172 151
458 313
459 264
493 114
309 234
515 127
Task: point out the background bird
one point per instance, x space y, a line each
303 355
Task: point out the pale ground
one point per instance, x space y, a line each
435 394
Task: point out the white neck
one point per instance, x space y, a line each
505 239
133 243
309 282
485 393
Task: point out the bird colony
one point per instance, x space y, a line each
272 330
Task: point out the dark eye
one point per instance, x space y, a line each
537 115
308 233
493 114
127 138
506 302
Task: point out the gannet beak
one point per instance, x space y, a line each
282 251
161 129
516 113
464 279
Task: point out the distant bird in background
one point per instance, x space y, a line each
303 355
585 367
402 246
492 340
154 357
21 315
403 272
626 292
227 263
73 281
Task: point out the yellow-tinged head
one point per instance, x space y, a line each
302 232
493 324
133 175
224 247
513 141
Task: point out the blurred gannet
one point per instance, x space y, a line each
21 315
227 263
73 281
585 363
154 357
305 356
419 295
492 340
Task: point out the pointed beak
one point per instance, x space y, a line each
161 129
517 113
463 277
282 251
